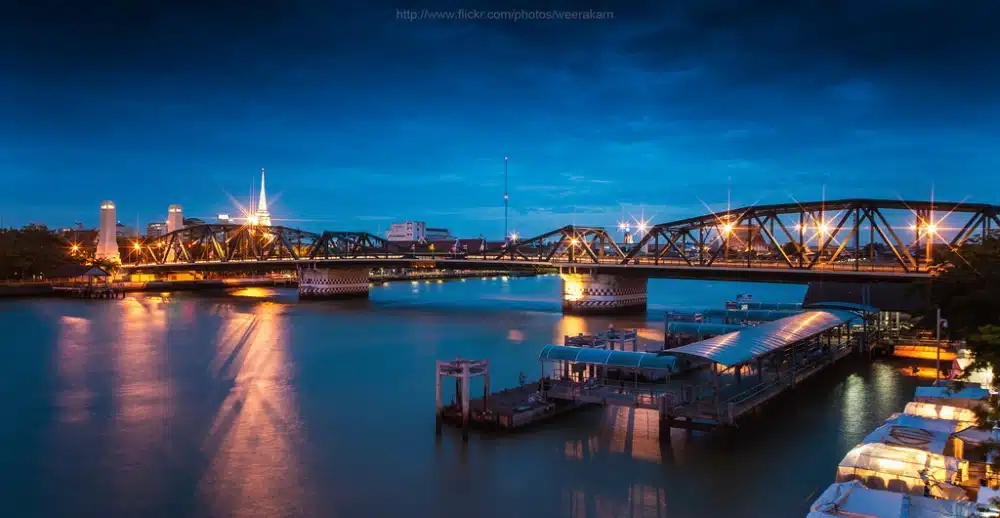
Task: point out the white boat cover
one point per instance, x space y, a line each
897 461
909 437
976 435
933 411
852 499
972 398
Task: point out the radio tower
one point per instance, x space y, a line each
505 199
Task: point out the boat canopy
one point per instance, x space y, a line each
933 411
909 437
750 343
594 356
879 464
852 499
967 397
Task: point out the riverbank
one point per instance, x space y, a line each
46 290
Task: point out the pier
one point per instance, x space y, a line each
698 386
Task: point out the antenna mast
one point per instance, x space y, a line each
505 199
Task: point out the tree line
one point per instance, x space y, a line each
34 251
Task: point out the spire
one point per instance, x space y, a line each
263 216
262 205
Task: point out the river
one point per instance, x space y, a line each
252 404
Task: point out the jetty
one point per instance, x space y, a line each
698 386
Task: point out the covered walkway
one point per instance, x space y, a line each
778 354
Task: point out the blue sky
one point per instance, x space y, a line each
361 119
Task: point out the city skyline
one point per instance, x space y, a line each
363 120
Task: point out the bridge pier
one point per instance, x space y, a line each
333 283
585 293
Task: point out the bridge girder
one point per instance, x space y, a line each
570 243
859 235
823 232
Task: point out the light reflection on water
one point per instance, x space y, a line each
251 443
258 405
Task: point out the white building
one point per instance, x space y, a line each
407 231
175 218
107 238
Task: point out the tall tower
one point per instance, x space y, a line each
107 237
263 216
175 218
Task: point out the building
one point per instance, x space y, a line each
436 234
124 231
223 218
175 218
190 222
407 231
156 229
107 240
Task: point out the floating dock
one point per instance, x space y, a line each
697 386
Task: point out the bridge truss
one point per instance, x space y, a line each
242 243
843 234
854 235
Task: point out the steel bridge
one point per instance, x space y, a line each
850 240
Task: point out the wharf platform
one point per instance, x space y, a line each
509 409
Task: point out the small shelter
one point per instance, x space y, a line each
78 274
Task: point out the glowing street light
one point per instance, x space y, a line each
642 226
822 227
137 246
931 228
574 241
513 236
75 248
727 228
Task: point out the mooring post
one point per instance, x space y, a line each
486 387
465 401
439 408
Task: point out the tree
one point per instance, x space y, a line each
31 251
964 288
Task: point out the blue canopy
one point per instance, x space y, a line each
595 356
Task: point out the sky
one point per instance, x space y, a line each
362 117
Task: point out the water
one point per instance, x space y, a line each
253 404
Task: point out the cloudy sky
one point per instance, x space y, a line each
362 118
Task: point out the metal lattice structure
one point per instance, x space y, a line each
854 234
567 244
885 238
242 243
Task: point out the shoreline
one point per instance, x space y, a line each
14 291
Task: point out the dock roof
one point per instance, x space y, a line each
753 342
595 356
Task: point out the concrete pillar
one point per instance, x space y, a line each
333 283
585 293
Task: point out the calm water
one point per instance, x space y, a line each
253 404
